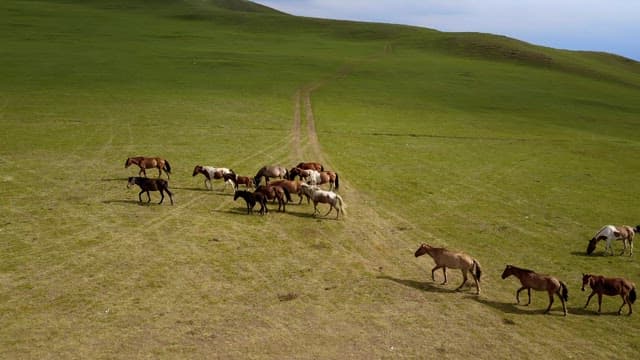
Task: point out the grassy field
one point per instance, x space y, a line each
510 152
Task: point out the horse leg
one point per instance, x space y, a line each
551 293
160 172
624 302
433 276
464 279
589 299
444 271
599 303
330 208
518 294
161 196
140 195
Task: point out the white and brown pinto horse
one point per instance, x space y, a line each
455 260
318 195
270 171
611 233
149 163
212 173
314 177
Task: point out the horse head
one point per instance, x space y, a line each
586 279
421 250
131 182
197 170
127 163
508 270
592 246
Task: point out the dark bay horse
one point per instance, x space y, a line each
273 171
611 233
611 287
310 166
455 260
147 185
237 180
149 163
276 193
252 199
532 280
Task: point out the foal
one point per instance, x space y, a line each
147 184
455 260
610 286
532 280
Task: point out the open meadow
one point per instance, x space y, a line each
512 153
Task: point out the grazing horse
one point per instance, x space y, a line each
610 233
532 280
212 173
274 192
238 180
610 286
294 186
455 260
310 166
272 171
318 195
149 163
147 185
251 199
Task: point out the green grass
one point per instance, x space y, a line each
510 152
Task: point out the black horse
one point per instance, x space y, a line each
149 184
252 199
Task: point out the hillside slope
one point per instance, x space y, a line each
510 152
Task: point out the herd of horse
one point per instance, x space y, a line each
312 174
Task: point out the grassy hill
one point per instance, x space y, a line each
511 152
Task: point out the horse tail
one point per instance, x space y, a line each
337 182
478 272
342 204
632 295
167 167
287 193
565 291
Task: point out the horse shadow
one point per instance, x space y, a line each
419 285
513 308
128 202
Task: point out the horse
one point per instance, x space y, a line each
303 174
310 166
272 171
149 163
293 186
610 286
314 177
318 195
147 185
237 180
532 280
214 173
276 193
455 260
251 199
610 233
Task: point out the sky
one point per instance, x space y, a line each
596 25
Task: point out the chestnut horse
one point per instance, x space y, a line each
610 286
310 166
149 163
147 185
294 187
212 173
252 199
532 280
238 180
273 171
611 233
455 260
318 195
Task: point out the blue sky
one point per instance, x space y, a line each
605 25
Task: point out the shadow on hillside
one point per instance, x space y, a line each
420 285
130 202
513 308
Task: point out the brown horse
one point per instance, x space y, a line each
238 180
274 171
532 280
147 185
276 193
310 166
455 260
610 286
149 163
294 187
252 199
